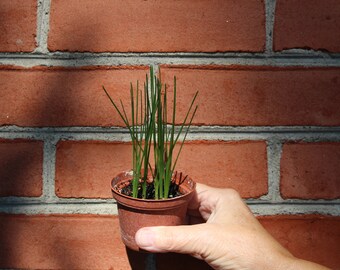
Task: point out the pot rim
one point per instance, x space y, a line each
128 177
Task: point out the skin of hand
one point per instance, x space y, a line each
230 238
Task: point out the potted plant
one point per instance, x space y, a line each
153 192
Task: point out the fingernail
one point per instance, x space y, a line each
145 238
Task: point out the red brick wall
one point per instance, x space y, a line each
268 124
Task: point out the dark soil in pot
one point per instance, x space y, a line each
137 213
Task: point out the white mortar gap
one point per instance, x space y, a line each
49 171
306 59
274 149
270 17
111 209
85 200
226 133
80 208
295 202
11 200
69 56
291 209
194 129
43 25
197 136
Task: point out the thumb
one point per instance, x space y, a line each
191 239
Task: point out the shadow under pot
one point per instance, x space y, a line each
138 213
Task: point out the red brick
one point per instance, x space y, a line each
85 169
21 168
258 96
64 97
313 238
238 165
73 242
310 170
18 25
93 242
307 24
157 26
61 242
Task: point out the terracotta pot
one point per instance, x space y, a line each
137 213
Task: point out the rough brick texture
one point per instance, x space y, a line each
238 165
64 97
248 96
18 25
158 26
242 96
21 168
93 242
313 238
310 170
84 169
48 96
310 24
73 242
61 242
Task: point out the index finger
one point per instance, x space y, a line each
204 201
195 201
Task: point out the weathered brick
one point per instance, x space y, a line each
74 242
161 26
258 96
93 242
310 24
61 242
64 97
310 170
85 169
21 163
238 165
18 25
313 238
241 96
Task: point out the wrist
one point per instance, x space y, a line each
299 264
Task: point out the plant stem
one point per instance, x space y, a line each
149 128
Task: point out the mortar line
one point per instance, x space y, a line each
43 17
270 18
104 201
308 137
145 61
274 149
323 202
194 129
11 200
49 171
289 53
111 209
273 210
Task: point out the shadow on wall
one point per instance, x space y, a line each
53 95
50 101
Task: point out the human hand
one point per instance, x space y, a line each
231 237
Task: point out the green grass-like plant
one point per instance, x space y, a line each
149 126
